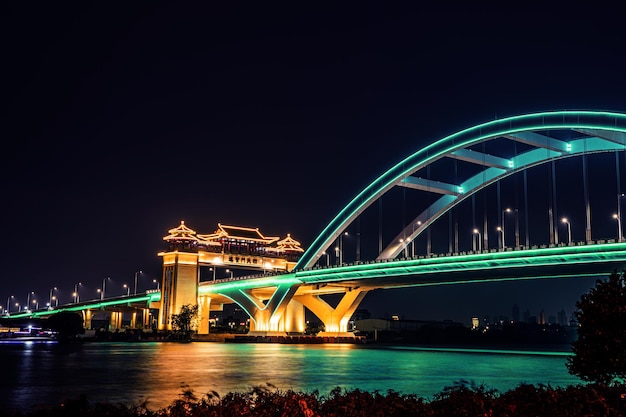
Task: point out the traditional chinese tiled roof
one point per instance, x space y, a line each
243 233
287 245
186 235
181 233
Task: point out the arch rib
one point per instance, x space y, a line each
520 128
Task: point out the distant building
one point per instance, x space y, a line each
515 313
475 322
562 318
541 319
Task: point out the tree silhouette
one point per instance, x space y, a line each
600 350
184 321
68 325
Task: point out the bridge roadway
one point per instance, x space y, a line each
115 306
597 258
265 297
268 298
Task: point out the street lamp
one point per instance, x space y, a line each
127 289
158 284
569 229
228 271
51 295
501 230
480 243
56 300
327 258
76 296
36 304
9 304
104 285
418 224
619 227
506 210
27 306
405 244
136 273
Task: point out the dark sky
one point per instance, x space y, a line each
121 120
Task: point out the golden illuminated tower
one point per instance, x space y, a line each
179 285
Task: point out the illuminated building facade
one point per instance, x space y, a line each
232 247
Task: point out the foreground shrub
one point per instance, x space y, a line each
462 400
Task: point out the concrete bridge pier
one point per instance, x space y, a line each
87 316
275 317
116 320
335 319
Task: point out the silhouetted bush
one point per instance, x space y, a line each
460 399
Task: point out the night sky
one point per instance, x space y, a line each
120 120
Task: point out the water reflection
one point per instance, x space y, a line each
157 372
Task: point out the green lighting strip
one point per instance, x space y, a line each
541 257
152 297
243 285
601 254
502 279
608 121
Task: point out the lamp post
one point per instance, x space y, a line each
36 304
104 284
56 300
619 227
501 230
480 243
76 296
404 243
327 258
158 284
51 295
136 273
564 220
9 304
127 289
27 306
228 271
418 224
506 210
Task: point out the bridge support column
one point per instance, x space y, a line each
204 313
116 320
335 319
133 320
145 318
179 285
271 318
87 316
294 318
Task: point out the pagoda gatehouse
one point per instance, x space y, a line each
232 247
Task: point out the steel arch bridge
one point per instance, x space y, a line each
276 304
548 136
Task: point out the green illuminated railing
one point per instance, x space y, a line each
535 263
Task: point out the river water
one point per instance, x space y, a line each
34 374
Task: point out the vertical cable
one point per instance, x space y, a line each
380 224
554 202
586 194
526 210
